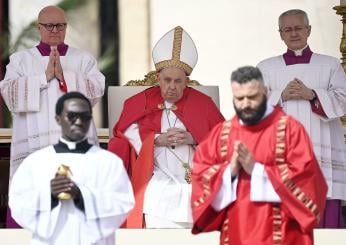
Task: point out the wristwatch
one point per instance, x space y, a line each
314 96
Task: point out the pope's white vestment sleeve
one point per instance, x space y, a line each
132 134
20 90
262 189
88 80
227 192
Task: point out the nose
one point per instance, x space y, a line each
172 85
55 29
246 103
78 121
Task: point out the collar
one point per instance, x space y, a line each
301 56
269 110
44 49
65 146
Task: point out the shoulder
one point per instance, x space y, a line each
325 59
195 94
72 51
147 93
23 53
267 63
39 155
107 156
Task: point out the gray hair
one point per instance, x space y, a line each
293 12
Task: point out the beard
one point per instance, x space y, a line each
252 116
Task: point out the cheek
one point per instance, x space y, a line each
163 89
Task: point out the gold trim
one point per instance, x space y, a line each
150 79
226 128
176 63
208 174
178 36
277 222
206 177
284 171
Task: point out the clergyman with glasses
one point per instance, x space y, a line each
35 78
312 88
72 192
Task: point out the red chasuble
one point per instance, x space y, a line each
196 110
282 145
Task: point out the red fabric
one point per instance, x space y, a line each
141 174
143 109
252 222
317 108
62 85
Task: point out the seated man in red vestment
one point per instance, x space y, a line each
157 133
255 178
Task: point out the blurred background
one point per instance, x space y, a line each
121 34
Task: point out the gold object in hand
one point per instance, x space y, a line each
64 171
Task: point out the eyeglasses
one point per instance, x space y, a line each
50 26
83 116
289 30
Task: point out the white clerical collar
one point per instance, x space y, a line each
168 104
299 52
269 110
71 144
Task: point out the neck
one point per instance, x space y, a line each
45 48
71 144
299 52
300 56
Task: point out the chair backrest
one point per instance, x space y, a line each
118 94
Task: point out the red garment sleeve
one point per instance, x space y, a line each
120 146
297 177
207 174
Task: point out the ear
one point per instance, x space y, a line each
266 90
309 30
281 35
58 119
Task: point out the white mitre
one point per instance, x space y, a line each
176 48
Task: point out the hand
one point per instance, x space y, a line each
58 68
64 184
177 136
244 157
235 166
296 90
50 67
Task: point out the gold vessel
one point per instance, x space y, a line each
64 171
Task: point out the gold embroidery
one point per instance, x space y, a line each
277 221
224 231
284 171
226 127
178 36
177 63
